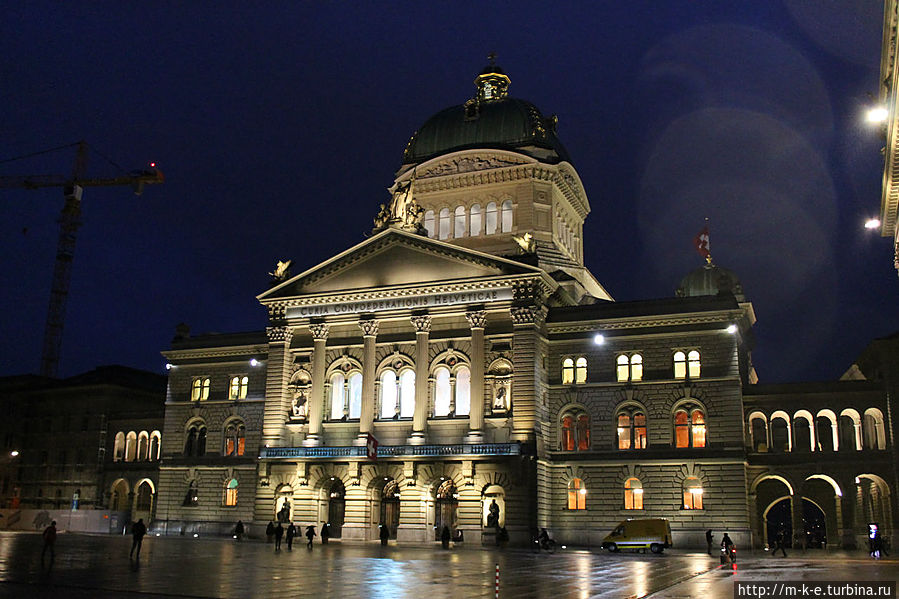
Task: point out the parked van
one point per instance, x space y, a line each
650 533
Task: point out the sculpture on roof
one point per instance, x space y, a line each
402 212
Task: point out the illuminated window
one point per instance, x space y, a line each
693 364
475 220
238 387
680 365
459 222
633 494
629 368
388 395
689 428
567 371
444 223
463 391
575 431
631 429
577 495
130 446
491 218
355 396
407 393
580 370
235 439
200 389
338 393
429 223
507 216
231 493
692 494
118 451
442 392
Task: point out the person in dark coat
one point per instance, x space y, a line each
270 531
709 539
326 534
385 534
779 543
239 530
279 533
445 537
49 536
291 533
310 534
138 530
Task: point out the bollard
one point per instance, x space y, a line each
497 581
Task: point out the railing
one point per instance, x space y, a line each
390 451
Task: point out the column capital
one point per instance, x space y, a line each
279 334
369 328
528 315
319 331
477 319
422 324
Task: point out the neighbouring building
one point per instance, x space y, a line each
463 368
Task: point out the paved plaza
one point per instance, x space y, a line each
98 566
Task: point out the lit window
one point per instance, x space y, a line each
407 393
444 224
200 389
680 365
118 452
633 494
338 392
577 495
238 387
631 429
575 432
692 494
623 370
442 392
507 216
388 394
567 371
580 373
583 432
231 493
636 367
355 399
568 433
624 431
475 220
235 439
491 218
459 222
689 428
697 430
463 391
429 223
693 363
130 446
629 368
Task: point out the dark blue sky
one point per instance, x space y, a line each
279 128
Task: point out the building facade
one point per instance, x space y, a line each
463 368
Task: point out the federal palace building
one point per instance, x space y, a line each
463 354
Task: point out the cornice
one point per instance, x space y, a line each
243 351
637 322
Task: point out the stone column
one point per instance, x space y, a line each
369 333
316 401
478 321
422 326
277 376
526 366
796 516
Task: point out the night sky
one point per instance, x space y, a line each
280 127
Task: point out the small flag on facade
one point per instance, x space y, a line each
371 447
701 241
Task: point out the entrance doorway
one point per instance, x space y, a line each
814 524
336 509
390 507
445 508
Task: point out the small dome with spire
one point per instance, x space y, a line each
711 279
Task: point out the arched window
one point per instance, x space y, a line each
192 497
459 222
580 370
623 370
577 495
429 223
575 431
199 390
629 368
444 223
144 497
824 430
759 429
567 371
155 445
463 391
850 430
802 433
442 392
118 448
633 494
875 437
237 389
201 441
636 367
475 220
407 393
388 395
692 494
230 498
491 218
693 365
143 446
338 392
235 439
780 434
355 398
689 428
631 429
680 365
190 441
507 216
130 446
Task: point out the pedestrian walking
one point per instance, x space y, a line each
270 531
326 533
291 533
279 533
709 539
310 534
384 534
445 537
779 542
138 530
238 530
49 536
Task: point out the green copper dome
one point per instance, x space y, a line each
710 279
489 120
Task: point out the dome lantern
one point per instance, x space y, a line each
492 82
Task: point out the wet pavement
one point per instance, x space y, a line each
98 566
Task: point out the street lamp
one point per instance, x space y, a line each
877 114
872 223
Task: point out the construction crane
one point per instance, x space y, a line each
69 221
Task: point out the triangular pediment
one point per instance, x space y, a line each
395 258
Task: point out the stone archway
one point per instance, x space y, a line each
119 498
446 506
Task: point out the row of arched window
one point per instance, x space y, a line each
633 494
472 222
629 367
137 447
688 423
824 431
229 494
233 439
237 388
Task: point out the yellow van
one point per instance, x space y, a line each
650 533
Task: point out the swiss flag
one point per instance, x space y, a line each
701 241
371 447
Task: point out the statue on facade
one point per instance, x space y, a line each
299 405
281 272
402 212
284 512
499 398
493 515
526 243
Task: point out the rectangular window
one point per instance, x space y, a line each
693 499
230 497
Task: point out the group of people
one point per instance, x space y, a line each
276 532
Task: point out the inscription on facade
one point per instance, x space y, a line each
430 300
